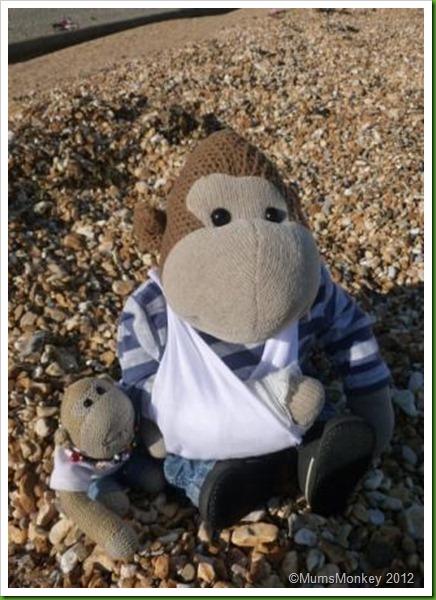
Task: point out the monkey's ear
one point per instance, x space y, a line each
61 438
148 227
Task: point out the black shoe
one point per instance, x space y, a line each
236 487
330 467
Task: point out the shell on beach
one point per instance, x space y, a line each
335 99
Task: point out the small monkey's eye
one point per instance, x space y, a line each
100 390
87 402
220 217
274 214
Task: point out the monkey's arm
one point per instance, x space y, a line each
301 398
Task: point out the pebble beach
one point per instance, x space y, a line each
335 97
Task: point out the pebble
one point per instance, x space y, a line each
295 522
416 382
405 400
392 503
44 427
289 563
306 537
409 456
206 572
162 566
329 570
30 342
188 573
373 479
375 497
414 516
376 516
59 531
123 288
254 534
334 552
72 557
360 512
342 538
315 560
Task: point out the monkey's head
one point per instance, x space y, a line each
237 261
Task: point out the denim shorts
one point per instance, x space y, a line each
125 478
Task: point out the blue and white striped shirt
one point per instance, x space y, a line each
334 324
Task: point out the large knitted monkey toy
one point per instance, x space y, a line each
213 345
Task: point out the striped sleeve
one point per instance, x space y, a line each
344 331
141 342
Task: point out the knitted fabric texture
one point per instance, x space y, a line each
227 153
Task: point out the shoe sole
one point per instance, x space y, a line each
231 491
343 455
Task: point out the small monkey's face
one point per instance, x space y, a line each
250 270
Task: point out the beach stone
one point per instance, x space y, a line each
375 497
59 531
329 570
254 534
46 514
376 516
206 572
373 479
38 538
162 566
335 553
306 537
416 382
30 342
414 516
188 573
123 288
360 512
342 538
295 522
44 427
72 557
405 400
392 503
408 455
55 370
28 320
290 563
74 241
315 560
16 535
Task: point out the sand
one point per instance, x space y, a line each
85 60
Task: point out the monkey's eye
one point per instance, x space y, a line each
100 390
87 402
220 217
274 214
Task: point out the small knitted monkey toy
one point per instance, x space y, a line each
94 465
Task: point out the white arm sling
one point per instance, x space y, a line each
205 411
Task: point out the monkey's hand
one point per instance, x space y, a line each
305 400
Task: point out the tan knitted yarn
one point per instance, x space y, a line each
222 152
